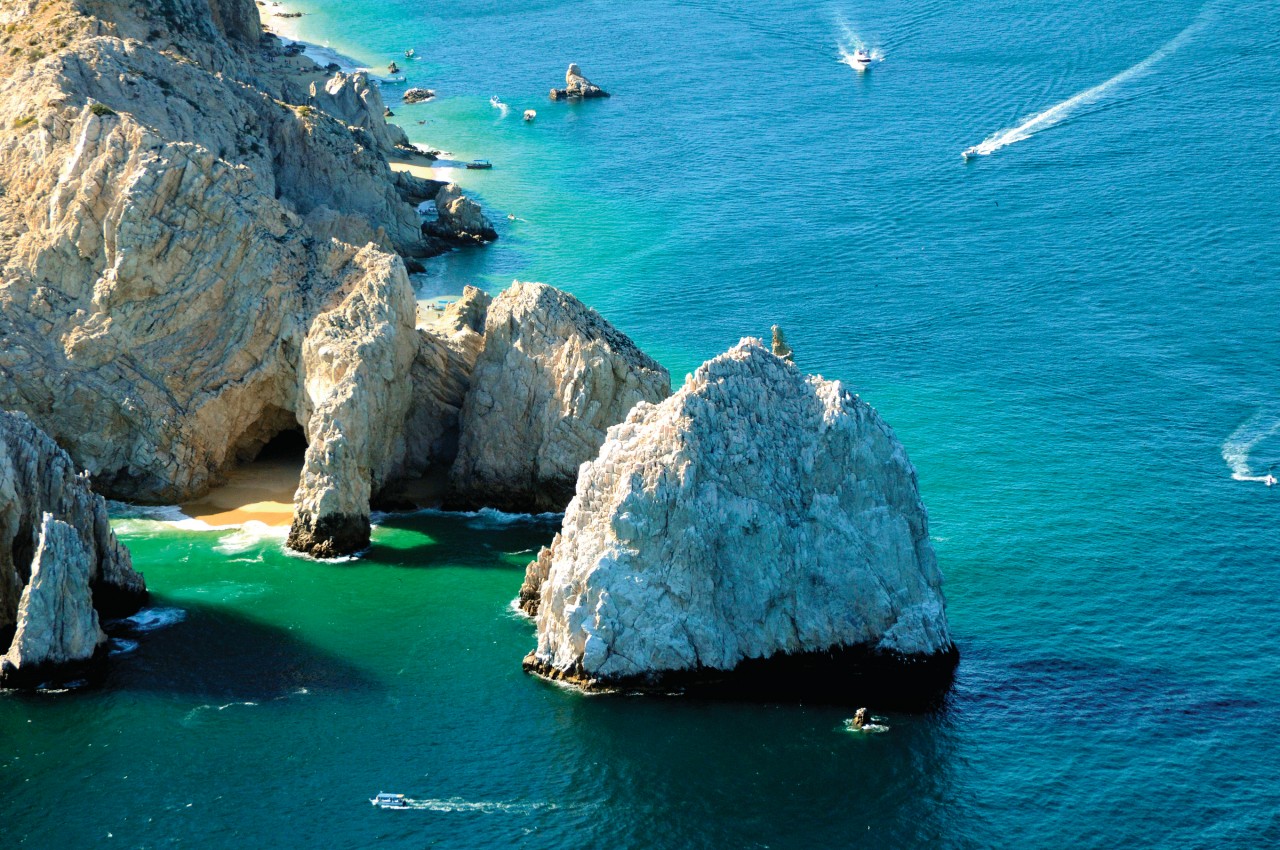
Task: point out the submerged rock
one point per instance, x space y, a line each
757 532
51 521
553 376
577 86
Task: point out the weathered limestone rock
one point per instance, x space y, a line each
52 524
757 530
356 359
448 346
577 86
351 99
461 219
58 629
173 222
780 347
552 378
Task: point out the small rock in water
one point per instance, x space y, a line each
577 86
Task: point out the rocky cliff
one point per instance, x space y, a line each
577 86
60 563
757 529
552 378
189 218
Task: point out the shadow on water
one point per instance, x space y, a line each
485 540
216 653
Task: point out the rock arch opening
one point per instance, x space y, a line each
260 486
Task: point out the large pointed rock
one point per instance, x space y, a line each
759 531
553 376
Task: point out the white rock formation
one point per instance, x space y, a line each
755 514
356 392
552 378
39 486
577 86
175 218
57 625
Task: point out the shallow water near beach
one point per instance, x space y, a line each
1075 337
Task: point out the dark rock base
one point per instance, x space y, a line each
852 675
113 602
92 670
329 537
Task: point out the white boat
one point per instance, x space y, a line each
390 801
408 54
971 152
861 57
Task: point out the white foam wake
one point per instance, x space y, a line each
1238 447
499 105
848 43
1060 112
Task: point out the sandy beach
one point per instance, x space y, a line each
261 491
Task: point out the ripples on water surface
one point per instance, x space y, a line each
1075 337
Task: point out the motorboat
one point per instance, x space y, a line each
390 801
861 57
408 54
479 164
971 153
530 114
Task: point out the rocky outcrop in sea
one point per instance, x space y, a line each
759 531
553 376
60 563
201 246
577 86
461 219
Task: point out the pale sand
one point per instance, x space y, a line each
420 166
261 491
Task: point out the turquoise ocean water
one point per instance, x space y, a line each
1076 338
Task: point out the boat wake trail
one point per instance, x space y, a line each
1238 447
1059 112
853 49
499 105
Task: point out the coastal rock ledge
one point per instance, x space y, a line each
759 533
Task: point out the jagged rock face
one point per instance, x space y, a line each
356 359
57 625
756 520
352 100
170 232
417 95
448 346
461 219
53 525
552 378
577 86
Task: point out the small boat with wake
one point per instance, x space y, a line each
479 164
970 153
408 54
390 801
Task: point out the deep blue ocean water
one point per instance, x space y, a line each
1075 337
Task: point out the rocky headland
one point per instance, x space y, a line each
202 246
759 531
61 567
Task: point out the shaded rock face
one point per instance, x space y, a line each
417 95
180 220
552 378
461 219
448 346
577 86
51 520
756 527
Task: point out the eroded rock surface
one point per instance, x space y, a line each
757 525
461 220
553 376
186 208
577 86
51 521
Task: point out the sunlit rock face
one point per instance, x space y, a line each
758 530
